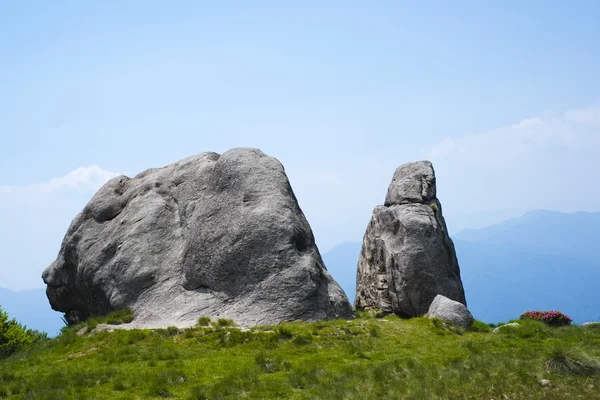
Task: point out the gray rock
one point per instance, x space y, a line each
212 235
450 311
591 324
509 325
412 183
82 331
407 257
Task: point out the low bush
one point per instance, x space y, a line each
478 326
15 337
270 364
222 322
122 316
552 318
284 332
570 363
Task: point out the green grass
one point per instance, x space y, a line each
115 318
367 358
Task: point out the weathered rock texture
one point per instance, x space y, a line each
591 324
407 257
450 311
510 325
211 235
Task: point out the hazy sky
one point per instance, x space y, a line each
503 97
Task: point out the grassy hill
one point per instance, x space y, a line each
366 358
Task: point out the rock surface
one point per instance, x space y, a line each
450 311
509 325
407 257
211 235
591 324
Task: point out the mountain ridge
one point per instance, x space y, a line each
543 259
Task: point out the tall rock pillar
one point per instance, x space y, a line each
407 257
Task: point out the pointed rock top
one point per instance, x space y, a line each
412 183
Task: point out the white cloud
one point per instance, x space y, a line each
82 179
35 217
585 116
528 123
547 162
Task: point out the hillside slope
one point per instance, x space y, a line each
365 358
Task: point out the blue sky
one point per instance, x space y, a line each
503 97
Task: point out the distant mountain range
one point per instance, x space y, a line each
542 260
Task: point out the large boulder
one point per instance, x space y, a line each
450 311
211 235
407 257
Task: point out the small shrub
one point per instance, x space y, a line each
269 363
235 385
374 331
203 321
134 336
439 327
159 391
459 330
569 363
364 314
201 392
172 330
305 377
357 348
284 333
15 337
225 322
593 327
478 326
189 333
528 329
552 318
91 323
119 386
302 339
319 325
123 316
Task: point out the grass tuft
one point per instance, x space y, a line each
222 322
478 326
567 362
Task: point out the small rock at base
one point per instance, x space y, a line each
451 311
82 331
509 325
590 324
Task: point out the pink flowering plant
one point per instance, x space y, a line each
552 318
